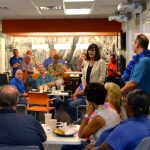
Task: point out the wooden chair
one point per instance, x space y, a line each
38 102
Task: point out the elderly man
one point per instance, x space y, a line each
47 79
17 129
15 61
136 75
17 81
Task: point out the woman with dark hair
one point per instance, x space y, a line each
98 116
94 67
130 132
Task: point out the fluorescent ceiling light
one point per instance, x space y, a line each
82 46
62 46
78 0
77 11
40 46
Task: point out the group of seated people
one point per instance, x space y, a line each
101 128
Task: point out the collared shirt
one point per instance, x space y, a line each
127 134
18 84
49 61
40 80
13 60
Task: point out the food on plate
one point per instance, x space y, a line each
59 131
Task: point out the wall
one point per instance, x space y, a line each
139 24
60 25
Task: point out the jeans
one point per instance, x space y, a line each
22 100
70 106
75 147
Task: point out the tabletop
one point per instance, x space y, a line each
54 139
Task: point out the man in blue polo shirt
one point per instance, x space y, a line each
15 61
17 81
136 74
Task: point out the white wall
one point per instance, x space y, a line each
139 24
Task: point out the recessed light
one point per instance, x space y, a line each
51 7
77 11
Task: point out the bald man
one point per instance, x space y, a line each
17 81
17 130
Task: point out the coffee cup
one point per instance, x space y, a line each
41 89
48 117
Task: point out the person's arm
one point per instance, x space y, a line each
131 85
88 128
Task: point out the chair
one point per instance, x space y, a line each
4 78
21 109
19 148
79 108
144 144
38 102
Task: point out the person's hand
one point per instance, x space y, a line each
89 109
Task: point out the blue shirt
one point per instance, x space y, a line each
18 84
17 129
127 134
40 80
49 61
13 60
141 74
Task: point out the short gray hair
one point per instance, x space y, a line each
8 96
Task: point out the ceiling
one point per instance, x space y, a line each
29 9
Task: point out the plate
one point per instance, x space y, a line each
65 135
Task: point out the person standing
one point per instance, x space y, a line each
17 129
49 60
136 74
94 67
15 61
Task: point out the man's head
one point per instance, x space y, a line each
19 75
27 59
29 52
141 42
52 53
41 69
15 52
55 58
8 96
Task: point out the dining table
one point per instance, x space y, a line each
54 142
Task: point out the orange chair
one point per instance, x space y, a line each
35 75
38 102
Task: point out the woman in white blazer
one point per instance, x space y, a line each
94 67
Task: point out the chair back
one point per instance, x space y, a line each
38 102
4 78
144 144
19 148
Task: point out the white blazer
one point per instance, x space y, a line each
98 72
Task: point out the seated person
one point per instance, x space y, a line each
98 117
47 79
17 130
17 81
70 105
131 131
56 69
